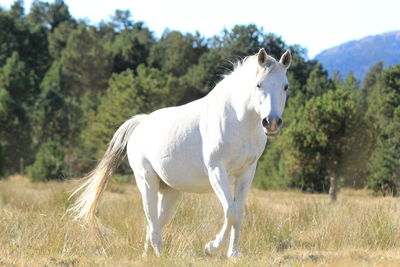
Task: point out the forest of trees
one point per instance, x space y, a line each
66 86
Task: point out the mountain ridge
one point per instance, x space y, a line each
358 56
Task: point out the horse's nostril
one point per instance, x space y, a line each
279 122
265 122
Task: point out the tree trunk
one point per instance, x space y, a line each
333 187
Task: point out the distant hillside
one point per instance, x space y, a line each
359 55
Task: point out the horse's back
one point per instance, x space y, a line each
169 141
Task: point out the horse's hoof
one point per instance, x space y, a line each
209 249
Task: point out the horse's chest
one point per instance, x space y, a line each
240 156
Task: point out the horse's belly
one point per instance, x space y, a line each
184 178
177 158
182 168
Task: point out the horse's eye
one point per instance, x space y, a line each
286 87
258 85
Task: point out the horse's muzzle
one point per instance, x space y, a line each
271 125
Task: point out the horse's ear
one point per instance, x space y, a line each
286 58
263 59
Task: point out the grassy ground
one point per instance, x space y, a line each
280 229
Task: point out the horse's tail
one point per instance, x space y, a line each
96 181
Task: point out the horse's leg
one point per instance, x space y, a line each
242 186
148 185
167 200
220 184
146 242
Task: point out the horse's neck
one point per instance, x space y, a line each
234 97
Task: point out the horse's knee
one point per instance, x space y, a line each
232 213
155 237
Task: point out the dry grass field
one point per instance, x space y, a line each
280 229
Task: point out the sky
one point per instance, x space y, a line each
314 24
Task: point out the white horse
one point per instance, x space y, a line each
210 143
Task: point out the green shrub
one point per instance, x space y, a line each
48 163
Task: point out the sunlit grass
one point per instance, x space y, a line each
280 228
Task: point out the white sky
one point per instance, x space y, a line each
314 24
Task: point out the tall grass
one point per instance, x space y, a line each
280 228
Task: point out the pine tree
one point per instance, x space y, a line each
316 139
384 111
17 90
86 63
176 52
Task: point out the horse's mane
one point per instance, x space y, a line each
243 63
237 65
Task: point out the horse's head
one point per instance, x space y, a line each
271 89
